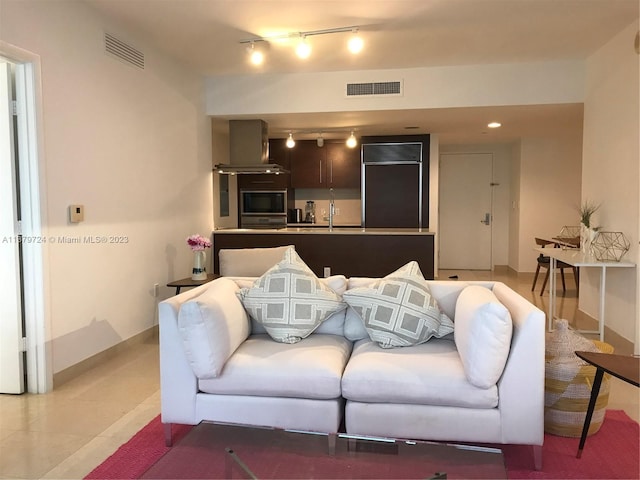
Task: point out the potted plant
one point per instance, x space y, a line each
587 232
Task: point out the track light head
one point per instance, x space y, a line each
256 57
355 43
303 50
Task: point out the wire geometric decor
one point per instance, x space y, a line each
610 246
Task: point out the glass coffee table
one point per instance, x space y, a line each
212 450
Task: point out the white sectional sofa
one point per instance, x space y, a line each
483 383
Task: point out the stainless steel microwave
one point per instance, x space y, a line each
263 202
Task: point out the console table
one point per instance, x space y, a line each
577 258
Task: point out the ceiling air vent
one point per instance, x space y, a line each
374 89
122 51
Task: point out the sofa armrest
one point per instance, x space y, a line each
178 384
521 387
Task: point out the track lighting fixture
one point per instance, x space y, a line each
355 43
290 141
351 141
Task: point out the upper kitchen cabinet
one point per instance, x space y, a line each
278 153
343 163
308 165
333 165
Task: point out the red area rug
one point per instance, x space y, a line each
610 453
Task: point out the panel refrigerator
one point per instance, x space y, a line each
392 185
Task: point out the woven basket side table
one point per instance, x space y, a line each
567 392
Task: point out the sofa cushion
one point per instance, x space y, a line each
399 309
311 368
212 326
249 262
482 335
427 374
289 300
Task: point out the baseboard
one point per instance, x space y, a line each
84 366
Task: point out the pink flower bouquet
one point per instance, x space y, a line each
198 242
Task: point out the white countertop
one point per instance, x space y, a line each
328 231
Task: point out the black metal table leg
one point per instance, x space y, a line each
595 390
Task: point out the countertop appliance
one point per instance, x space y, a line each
295 215
263 208
392 185
310 212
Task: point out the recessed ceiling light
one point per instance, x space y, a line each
494 125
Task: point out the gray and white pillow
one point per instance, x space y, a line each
399 310
289 301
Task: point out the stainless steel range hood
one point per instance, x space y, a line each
249 150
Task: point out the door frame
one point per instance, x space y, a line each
32 187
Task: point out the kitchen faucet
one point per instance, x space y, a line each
332 208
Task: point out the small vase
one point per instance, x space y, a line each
587 235
199 271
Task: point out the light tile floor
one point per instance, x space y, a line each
68 432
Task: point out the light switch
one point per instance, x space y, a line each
76 213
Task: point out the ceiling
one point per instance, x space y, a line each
206 36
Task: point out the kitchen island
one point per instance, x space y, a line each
349 251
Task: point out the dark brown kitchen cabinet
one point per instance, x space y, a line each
343 165
308 165
278 153
332 166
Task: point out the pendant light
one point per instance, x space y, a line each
351 141
290 141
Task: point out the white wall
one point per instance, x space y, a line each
435 87
549 191
514 207
611 169
133 146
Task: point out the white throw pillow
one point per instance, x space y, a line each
212 325
333 325
482 335
353 325
399 310
289 301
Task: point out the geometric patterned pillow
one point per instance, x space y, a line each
399 310
289 300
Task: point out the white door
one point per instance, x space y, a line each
465 211
11 356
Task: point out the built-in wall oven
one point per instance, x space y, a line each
263 208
